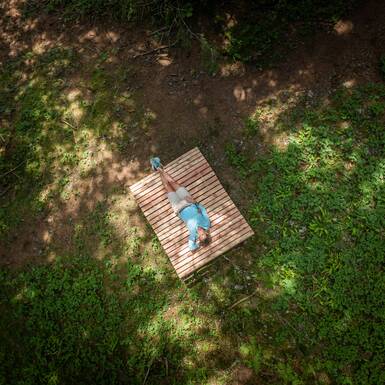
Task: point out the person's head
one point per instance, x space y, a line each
203 237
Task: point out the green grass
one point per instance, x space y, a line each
320 212
53 128
108 308
74 324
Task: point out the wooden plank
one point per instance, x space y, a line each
181 230
217 232
171 219
156 183
221 250
228 225
218 242
144 183
197 194
174 241
190 181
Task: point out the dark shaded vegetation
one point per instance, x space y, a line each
249 31
78 321
106 307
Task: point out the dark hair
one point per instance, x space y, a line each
206 240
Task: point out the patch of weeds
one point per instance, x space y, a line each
155 244
321 204
33 134
288 375
259 29
68 313
133 242
210 56
237 159
251 354
252 125
382 66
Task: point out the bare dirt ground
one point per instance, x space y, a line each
188 106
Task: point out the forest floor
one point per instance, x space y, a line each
96 101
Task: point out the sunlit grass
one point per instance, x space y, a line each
310 279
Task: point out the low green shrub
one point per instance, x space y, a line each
68 323
321 214
263 25
382 66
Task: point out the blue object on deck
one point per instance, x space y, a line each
194 216
155 163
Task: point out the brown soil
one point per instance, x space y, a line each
191 107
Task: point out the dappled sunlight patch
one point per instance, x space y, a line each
42 45
239 93
113 36
75 112
267 293
220 377
218 291
343 27
268 114
30 24
90 35
164 60
281 141
13 8
232 69
349 83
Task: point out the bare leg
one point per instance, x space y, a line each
173 183
166 184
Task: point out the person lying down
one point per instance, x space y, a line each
192 213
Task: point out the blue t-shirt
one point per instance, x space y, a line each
194 219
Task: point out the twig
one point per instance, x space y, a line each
292 327
188 29
69 124
5 190
154 50
242 300
148 371
8 172
158 30
166 362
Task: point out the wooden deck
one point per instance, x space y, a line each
228 229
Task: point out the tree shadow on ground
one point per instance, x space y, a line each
318 214
308 321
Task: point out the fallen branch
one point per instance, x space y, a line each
5 191
154 50
292 327
148 371
158 30
242 300
69 124
8 172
